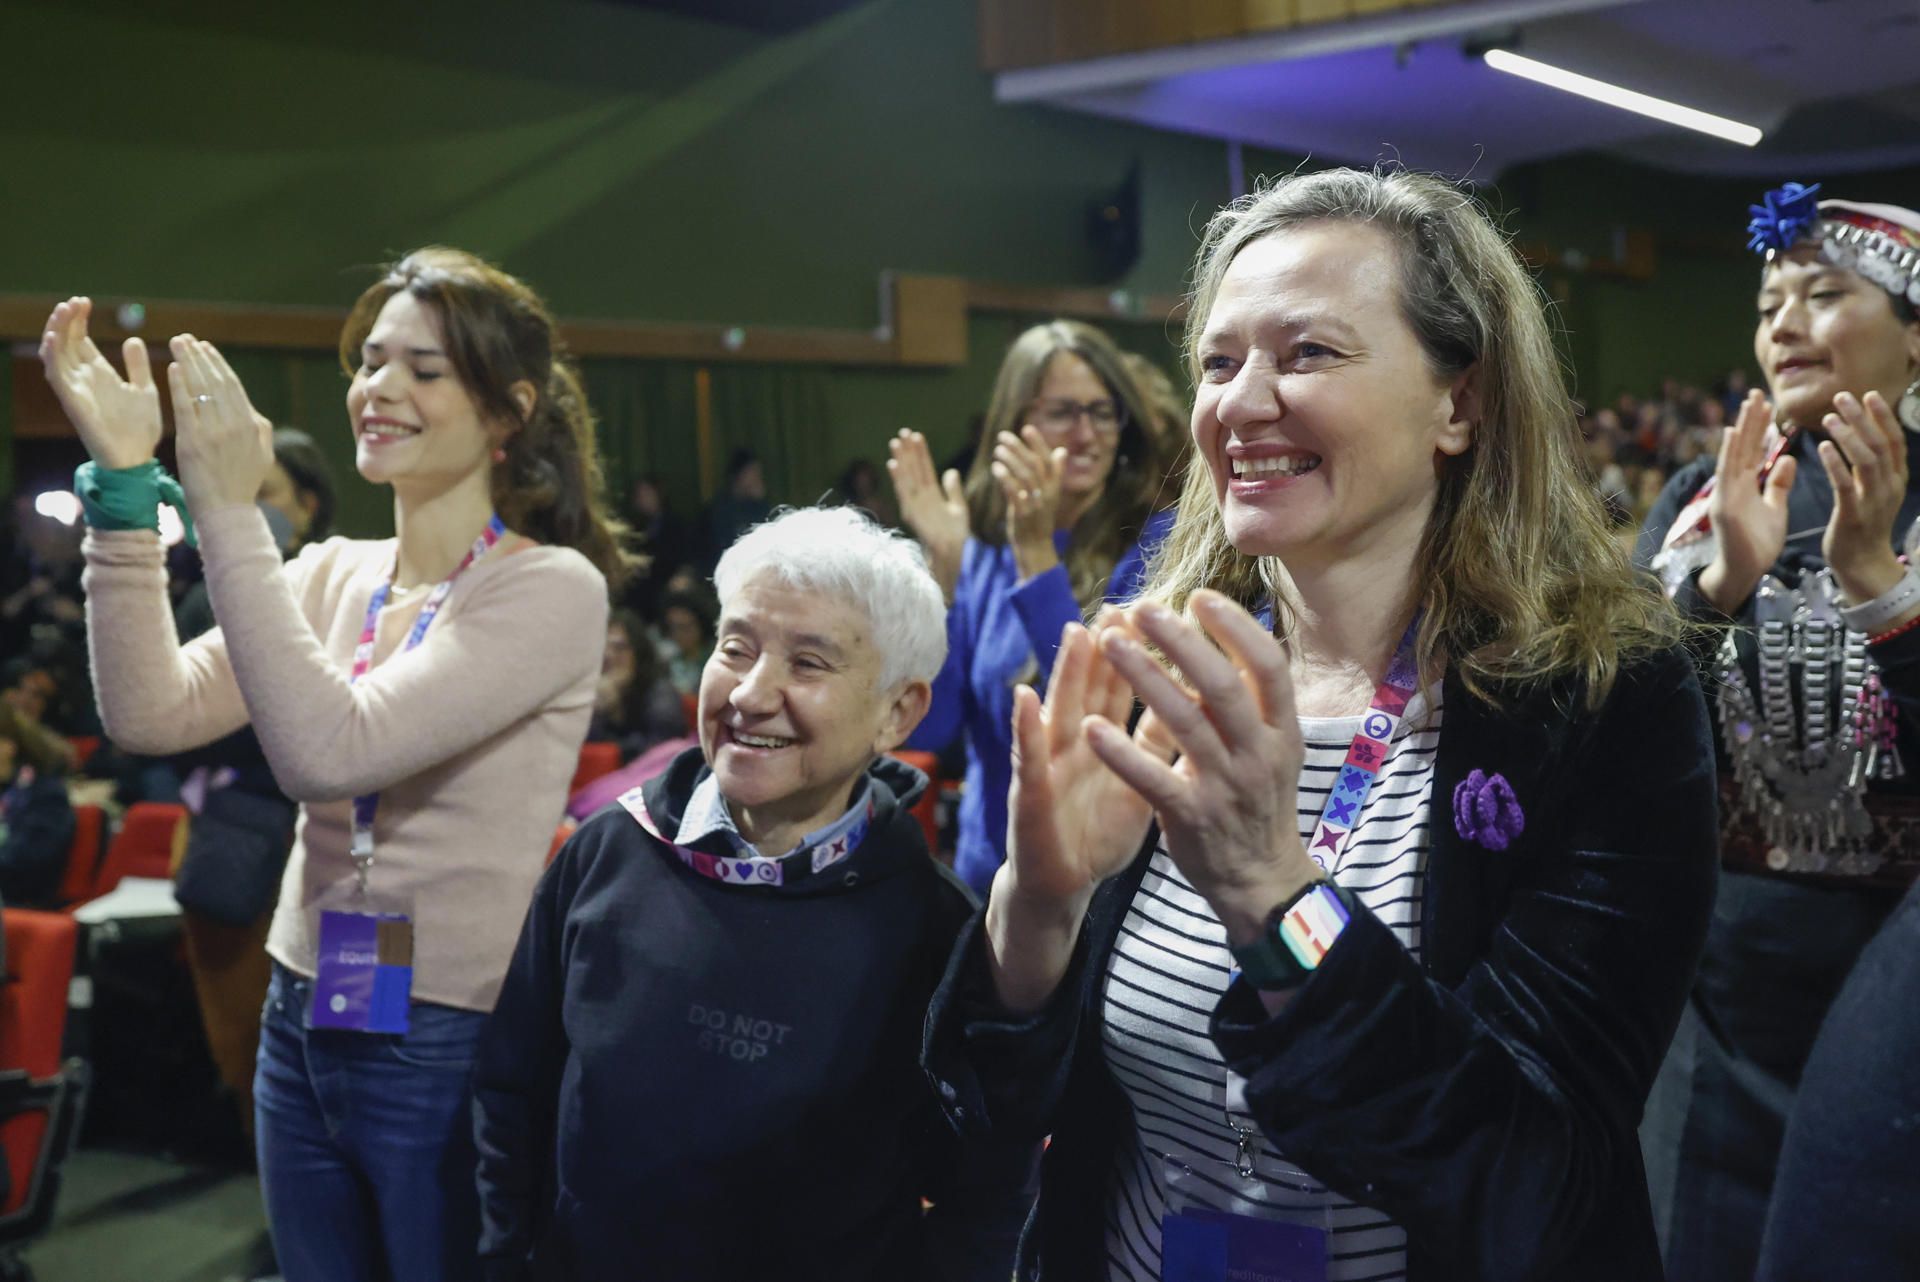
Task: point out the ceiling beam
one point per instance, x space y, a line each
1362 31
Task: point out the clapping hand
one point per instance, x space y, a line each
934 507
1749 522
1029 476
225 447
1227 808
1071 821
118 418
1866 460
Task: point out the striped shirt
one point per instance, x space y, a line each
1168 971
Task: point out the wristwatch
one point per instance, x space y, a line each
1296 937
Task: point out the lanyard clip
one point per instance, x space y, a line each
1243 1152
362 849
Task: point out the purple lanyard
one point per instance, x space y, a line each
1367 754
756 870
364 807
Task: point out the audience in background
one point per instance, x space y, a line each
40 582
1167 420
740 504
685 638
859 486
28 690
1635 445
36 819
662 541
635 704
1050 522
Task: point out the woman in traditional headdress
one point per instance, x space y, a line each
1794 536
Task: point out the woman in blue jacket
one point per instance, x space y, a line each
1056 515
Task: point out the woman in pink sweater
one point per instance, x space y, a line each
424 697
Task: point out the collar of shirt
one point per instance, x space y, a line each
707 813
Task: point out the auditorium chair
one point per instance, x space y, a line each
84 856
41 1098
144 845
927 809
596 759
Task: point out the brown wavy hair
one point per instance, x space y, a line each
498 333
1104 531
1522 580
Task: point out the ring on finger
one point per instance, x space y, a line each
202 399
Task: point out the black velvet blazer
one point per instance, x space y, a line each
1487 1096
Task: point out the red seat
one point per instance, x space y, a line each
83 854
84 746
596 759
560 835
927 809
690 704
40 1097
144 845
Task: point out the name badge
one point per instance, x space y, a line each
1201 1245
365 975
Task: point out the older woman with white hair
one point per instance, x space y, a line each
703 1063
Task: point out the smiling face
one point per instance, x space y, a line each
1824 330
414 421
1321 422
790 715
1060 409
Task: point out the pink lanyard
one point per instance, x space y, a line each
760 870
364 807
1368 753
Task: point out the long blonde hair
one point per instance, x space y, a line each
1521 581
1102 534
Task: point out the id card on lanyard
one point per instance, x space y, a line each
1222 1222
364 977
1250 1237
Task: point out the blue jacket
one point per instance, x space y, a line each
1000 633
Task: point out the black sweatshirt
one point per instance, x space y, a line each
692 1080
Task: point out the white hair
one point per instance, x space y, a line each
843 551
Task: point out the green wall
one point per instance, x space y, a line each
630 164
640 166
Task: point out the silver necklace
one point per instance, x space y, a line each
1804 777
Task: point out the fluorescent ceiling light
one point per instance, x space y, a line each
1625 99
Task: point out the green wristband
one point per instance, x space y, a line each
129 498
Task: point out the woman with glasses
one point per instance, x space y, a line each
1054 517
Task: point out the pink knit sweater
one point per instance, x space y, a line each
471 738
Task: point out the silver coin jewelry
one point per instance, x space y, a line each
1820 728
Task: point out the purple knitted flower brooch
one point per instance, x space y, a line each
1486 812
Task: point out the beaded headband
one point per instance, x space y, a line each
1880 242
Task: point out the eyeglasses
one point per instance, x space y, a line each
1057 416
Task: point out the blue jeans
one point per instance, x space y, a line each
366 1143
